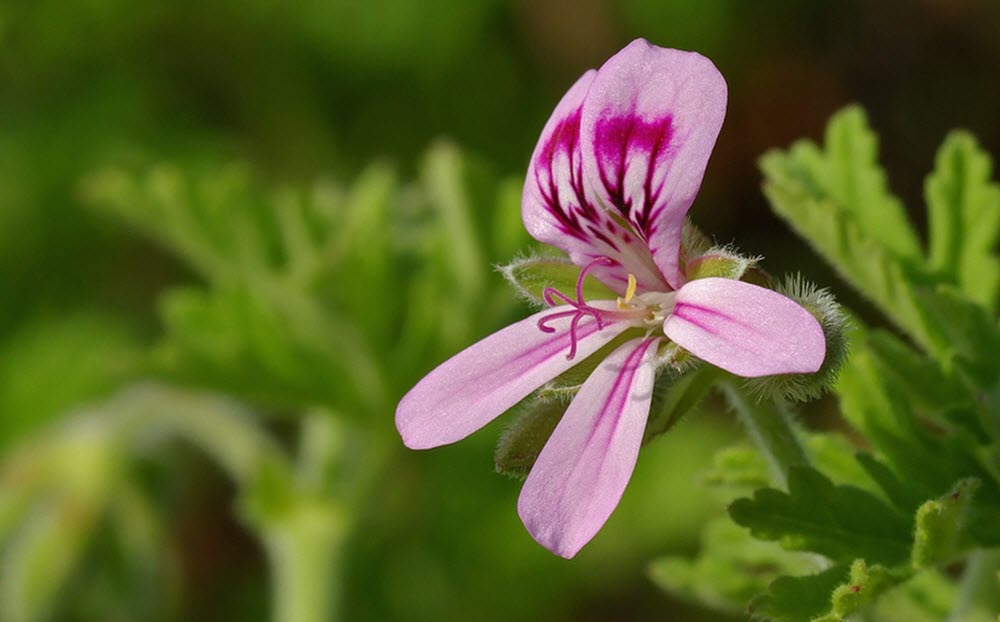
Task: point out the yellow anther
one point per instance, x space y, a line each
629 293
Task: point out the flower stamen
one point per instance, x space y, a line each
629 293
580 307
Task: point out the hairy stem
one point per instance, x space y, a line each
770 427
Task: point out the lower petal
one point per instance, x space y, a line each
582 471
481 382
745 329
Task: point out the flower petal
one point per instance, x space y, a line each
479 383
745 329
648 126
559 210
582 471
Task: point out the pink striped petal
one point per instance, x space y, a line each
745 329
648 126
582 471
559 210
479 383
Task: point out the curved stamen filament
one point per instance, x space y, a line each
580 307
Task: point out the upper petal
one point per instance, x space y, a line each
559 209
581 473
479 383
745 329
648 127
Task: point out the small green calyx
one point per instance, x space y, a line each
720 262
531 275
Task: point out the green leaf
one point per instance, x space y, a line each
41 558
964 219
847 174
863 587
739 467
41 374
676 395
799 599
927 597
842 522
817 192
902 494
445 174
530 276
770 425
878 404
270 343
834 455
836 199
941 395
730 569
942 525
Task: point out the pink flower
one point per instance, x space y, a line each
615 170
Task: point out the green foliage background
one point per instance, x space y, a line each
232 234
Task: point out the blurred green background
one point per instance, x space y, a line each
297 205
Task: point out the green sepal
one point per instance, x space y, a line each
694 242
524 438
720 262
531 275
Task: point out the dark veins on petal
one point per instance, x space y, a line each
620 141
575 215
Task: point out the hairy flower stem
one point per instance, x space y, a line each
979 591
770 428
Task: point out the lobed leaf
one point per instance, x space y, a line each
730 569
963 207
841 522
836 198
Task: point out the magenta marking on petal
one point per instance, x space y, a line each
570 212
679 313
620 140
614 404
681 310
583 469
